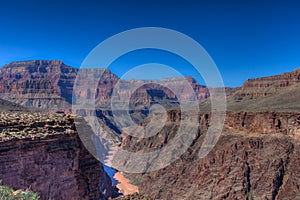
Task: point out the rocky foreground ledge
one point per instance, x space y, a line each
42 151
35 125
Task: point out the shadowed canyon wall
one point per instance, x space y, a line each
43 152
256 157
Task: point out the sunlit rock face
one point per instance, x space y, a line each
38 83
43 152
49 84
265 86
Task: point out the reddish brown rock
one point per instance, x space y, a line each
56 167
38 83
254 159
261 122
172 89
265 86
281 80
49 158
237 168
49 84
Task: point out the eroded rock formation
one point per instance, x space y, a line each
265 86
43 152
38 83
48 84
255 158
281 80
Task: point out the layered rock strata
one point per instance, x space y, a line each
43 152
256 157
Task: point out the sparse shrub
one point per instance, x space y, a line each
7 193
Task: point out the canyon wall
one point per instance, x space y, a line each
43 152
38 83
254 167
261 122
48 84
281 80
265 86
268 122
256 157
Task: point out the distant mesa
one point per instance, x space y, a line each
48 84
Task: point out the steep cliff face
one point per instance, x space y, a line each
43 152
37 83
265 86
287 123
49 84
281 80
255 158
185 88
168 91
95 83
238 168
274 93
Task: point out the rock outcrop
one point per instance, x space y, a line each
274 93
43 152
48 84
281 80
134 197
38 83
286 123
258 167
255 158
265 86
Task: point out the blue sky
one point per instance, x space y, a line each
246 39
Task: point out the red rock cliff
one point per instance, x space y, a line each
49 84
256 157
47 156
38 83
265 86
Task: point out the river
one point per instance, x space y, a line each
120 181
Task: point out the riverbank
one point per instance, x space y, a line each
118 179
124 185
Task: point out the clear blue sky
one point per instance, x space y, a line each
245 38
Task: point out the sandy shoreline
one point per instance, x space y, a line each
123 183
124 186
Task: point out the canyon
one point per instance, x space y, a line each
43 152
255 157
49 84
